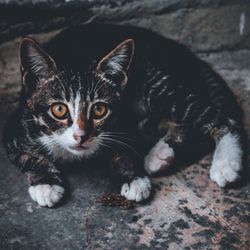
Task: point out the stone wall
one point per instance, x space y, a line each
203 25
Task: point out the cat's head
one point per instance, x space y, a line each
73 110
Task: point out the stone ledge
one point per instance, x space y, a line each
202 25
206 29
156 6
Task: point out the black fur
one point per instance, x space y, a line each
169 92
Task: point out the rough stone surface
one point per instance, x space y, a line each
187 211
203 29
207 25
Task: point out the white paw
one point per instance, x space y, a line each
159 158
224 171
137 190
227 161
45 194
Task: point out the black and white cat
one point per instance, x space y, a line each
106 84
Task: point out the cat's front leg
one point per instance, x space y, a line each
136 186
227 159
45 180
159 158
162 154
45 194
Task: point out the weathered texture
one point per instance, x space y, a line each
206 29
203 25
188 210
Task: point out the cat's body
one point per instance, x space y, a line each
162 96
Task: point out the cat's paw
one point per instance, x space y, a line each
225 171
227 160
159 158
138 190
45 194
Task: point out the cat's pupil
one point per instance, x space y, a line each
99 110
60 108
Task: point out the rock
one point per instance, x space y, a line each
202 25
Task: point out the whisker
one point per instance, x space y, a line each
92 84
102 87
30 120
39 149
121 143
97 86
47 146
57 76
115 132
119 137
104 145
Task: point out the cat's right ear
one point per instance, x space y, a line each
115 65
35 63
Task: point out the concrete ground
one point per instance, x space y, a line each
187 211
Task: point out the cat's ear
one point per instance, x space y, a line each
34 61
116 63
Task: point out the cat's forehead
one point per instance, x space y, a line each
74 86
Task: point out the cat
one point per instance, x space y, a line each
94 87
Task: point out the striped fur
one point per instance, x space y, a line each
155 91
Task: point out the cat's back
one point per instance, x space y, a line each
79 47
85 44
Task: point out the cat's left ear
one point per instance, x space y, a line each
34 60
115 64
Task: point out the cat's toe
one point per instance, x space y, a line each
45 194
159 158
138 190
225 171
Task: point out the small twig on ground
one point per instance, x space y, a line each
86 224
112 200
115 200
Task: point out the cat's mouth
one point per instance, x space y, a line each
83 146
80 147
88 147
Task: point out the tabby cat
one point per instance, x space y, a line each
121 90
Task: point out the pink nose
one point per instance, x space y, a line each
78 136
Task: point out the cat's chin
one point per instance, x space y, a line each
81 151
79 148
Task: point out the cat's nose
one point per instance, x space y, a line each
78 136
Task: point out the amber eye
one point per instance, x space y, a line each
99 110
59 110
